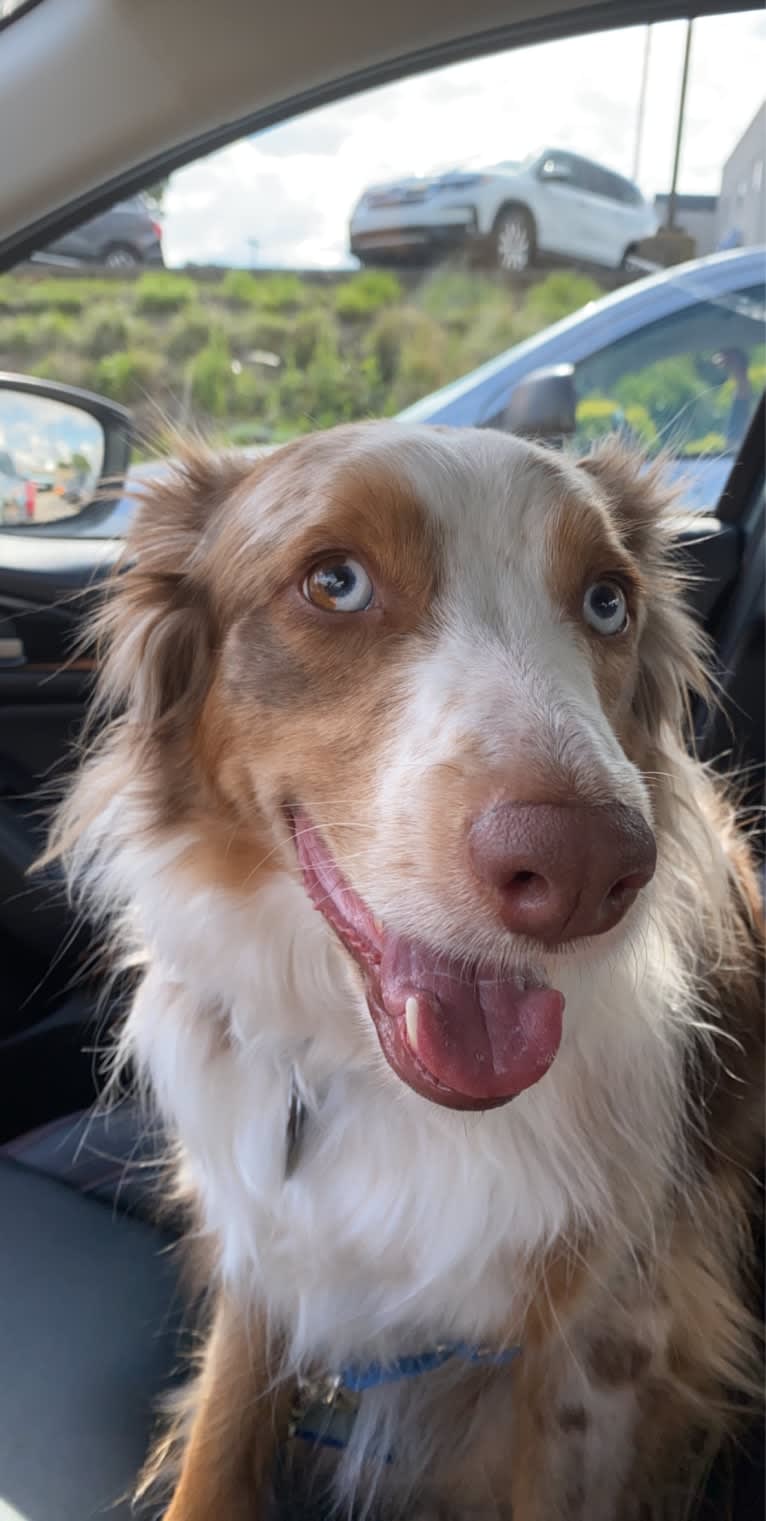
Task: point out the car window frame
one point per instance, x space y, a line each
590 19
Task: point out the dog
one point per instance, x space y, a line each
449 975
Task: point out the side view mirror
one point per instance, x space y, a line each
543 405
555 170
58 446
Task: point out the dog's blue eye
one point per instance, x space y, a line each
340 586
604 608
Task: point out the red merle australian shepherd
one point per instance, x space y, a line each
450 998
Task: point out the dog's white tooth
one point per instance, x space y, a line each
411 1015
377 926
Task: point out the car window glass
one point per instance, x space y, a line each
375 255
555 163
688 384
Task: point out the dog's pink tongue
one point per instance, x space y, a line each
484 1039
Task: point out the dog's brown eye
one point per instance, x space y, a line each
605 608
340 586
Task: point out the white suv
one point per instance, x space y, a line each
554 202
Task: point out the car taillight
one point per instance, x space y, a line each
30 498
157 230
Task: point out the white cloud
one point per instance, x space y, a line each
285 197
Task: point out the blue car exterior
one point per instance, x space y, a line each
477 399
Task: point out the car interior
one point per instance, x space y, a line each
103 97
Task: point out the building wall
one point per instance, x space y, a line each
742 201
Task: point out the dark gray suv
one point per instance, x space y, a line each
120 238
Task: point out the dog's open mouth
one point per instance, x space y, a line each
457 1034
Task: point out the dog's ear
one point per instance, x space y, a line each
674 650
157 628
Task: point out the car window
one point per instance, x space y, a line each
598 181
368 256
689 383
553 163
616 188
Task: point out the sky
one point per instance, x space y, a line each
38 433
285 197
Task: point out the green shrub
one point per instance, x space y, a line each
250 394
211 379
55 328
239 288
162 292
64 365
276 293
282 293
10 294
495 327
18 336
104 330
52 295
557 296
331 389
127 376
367 293
36 334
412 356
266 330
310 332
401 329
190 330
453 297
246 433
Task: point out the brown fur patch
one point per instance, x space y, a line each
573 1418
614 1361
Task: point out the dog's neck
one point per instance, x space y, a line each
404 1223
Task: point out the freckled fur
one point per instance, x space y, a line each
601 1218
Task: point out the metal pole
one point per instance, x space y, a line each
642 104
679 128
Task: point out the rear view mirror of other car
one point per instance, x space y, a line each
58 446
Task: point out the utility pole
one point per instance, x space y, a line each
679 129
642 104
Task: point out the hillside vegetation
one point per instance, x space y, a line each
259 357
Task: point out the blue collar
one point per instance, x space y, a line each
325 1410
356 1379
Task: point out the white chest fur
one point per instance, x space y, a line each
404 1223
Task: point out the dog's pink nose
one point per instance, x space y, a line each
562 871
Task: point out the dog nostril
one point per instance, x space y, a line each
528 887
625 885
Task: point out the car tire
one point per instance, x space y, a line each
120 256
513 240
630 251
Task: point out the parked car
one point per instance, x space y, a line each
120 238
555 202
17 495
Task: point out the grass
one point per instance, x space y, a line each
250 357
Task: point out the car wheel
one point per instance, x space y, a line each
121 256
629 253
514 240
